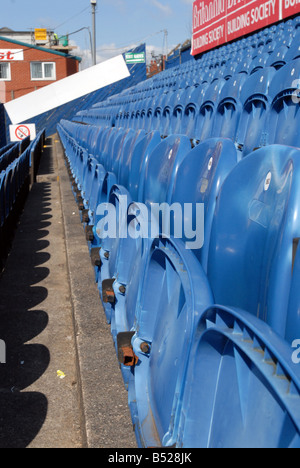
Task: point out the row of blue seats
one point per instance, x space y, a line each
251 110
9 156
249 48
246 65
13 166
192 327
15 163
197 72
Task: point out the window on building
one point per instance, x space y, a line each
5 71
43 71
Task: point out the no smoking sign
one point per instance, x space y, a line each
21 131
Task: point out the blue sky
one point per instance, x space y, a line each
120 23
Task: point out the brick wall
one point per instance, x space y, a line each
21 82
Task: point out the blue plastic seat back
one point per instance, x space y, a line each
284 117
287 39
97 146
149 115
144 113
162 167
199 180
165 124
93 134
239 371
115 148
229 108
121 146
99 174
178 110
250 255
82 135
127 154
138 163
88 176
256 100
277 58
229 71
81 167
106 145
191 110
158 111
294 51
137 122
244 66
131 116
166 322
270 46
205 118
260 62
293 319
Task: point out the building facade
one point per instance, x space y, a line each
26 67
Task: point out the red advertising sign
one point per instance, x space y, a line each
216 22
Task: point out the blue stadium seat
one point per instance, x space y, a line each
125 162
158 111
205 117
138 162
179 110
256 101
165 124
113 147
162 168
98 177
260 62
244 66
199 180
191 110
277 58
284 116
229 108
122 145
255 223
162 344
241 388
294 51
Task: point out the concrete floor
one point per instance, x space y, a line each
51 320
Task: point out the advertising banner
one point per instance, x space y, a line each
135 58
10 55
216 22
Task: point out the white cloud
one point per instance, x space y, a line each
166 9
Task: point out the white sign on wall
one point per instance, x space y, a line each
10 55
21 131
